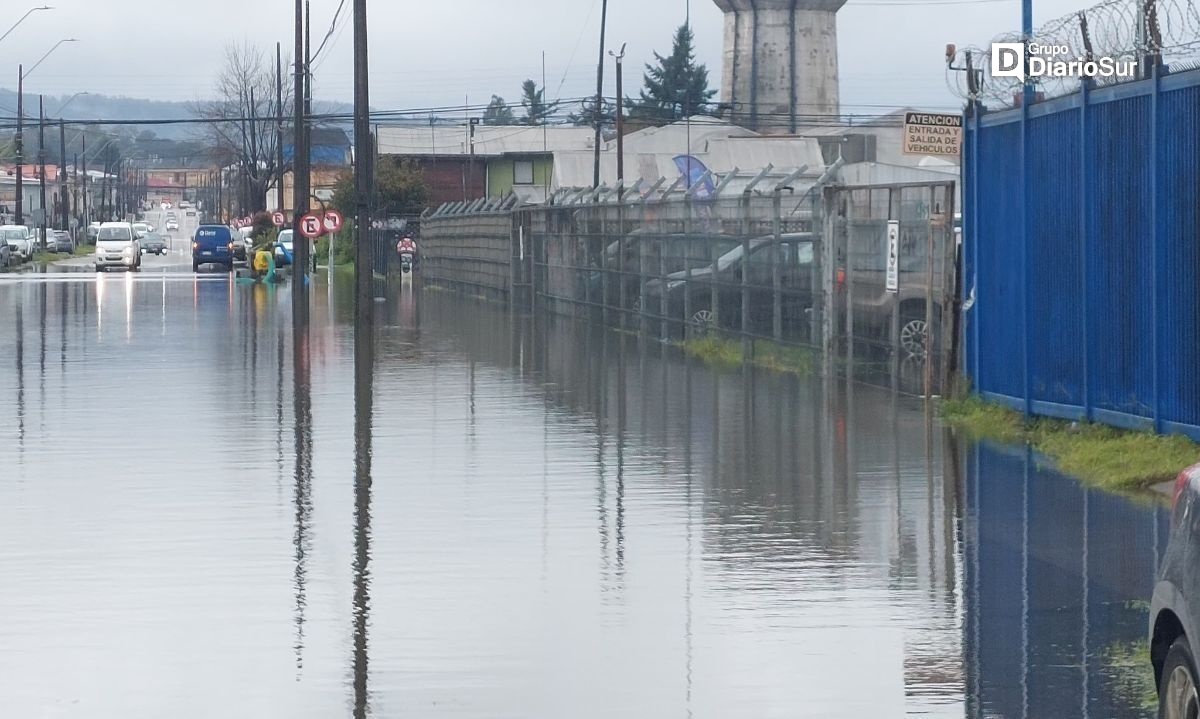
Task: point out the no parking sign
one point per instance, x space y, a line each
310 226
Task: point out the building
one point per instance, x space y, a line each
468 162
780 68
331 156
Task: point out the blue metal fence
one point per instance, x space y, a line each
1082 226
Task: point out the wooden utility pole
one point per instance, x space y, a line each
42 166
599 91
299 175
279 128
620 57
20 141
62 175
83 191
364 266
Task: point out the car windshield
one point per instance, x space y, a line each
14 234
152 237
285 237
114 233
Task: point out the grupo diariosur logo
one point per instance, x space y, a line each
1015 59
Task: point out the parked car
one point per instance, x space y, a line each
695 291
153 243
283 248
63 242
19 241
117 245
213 244
1175 606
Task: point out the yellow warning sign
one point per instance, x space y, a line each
928 133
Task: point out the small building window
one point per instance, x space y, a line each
523 172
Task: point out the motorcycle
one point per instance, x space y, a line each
406 262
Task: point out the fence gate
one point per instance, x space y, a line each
893 252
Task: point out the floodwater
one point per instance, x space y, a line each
491 515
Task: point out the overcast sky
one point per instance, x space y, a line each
440 53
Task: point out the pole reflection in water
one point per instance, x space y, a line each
20 342
364 370
302 412
42 357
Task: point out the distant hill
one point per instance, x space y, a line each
110 108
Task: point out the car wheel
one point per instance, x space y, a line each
1177 694
914 337
704 319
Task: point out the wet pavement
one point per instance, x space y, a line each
530 517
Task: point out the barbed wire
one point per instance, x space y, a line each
1124 30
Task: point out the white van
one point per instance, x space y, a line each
117 245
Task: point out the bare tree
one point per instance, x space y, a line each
244 117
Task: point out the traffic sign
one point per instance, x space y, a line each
278 219
310 226
333 220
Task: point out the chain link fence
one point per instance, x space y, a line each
795 277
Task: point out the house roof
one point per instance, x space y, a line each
678 136
490 140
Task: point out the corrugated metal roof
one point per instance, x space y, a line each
490 140
674 137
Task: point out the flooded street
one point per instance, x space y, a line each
538 518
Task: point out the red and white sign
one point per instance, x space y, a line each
278 219
310 226
247 222
333 220
237 224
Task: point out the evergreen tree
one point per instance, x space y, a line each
676 87
533 100
498 113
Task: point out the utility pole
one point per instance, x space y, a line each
299 175
20 145
42 164
251 184
62 175
619 57
308 78
364 266
279 128
600 91
83 191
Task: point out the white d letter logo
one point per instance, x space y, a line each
1008 60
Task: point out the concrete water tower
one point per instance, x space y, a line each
781 68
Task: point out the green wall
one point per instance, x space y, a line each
500 172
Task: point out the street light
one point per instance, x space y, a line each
18 22
39 62
58 113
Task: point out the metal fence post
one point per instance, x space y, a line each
687 265
929 297
1085 198
1025 185
745 278
776 276
894 323
828 280
1156 244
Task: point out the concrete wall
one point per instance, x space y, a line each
780 62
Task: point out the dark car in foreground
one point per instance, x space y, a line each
154 244
1175 607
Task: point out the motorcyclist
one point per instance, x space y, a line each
406 246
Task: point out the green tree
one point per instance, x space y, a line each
676 87
498 113
534 102
400 189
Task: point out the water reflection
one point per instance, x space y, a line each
549 519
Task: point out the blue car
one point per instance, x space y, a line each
213 244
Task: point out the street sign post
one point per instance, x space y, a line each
310 226
893 256
333 221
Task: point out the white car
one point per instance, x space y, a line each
285 239
19 240
117 246
142 228
172 225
